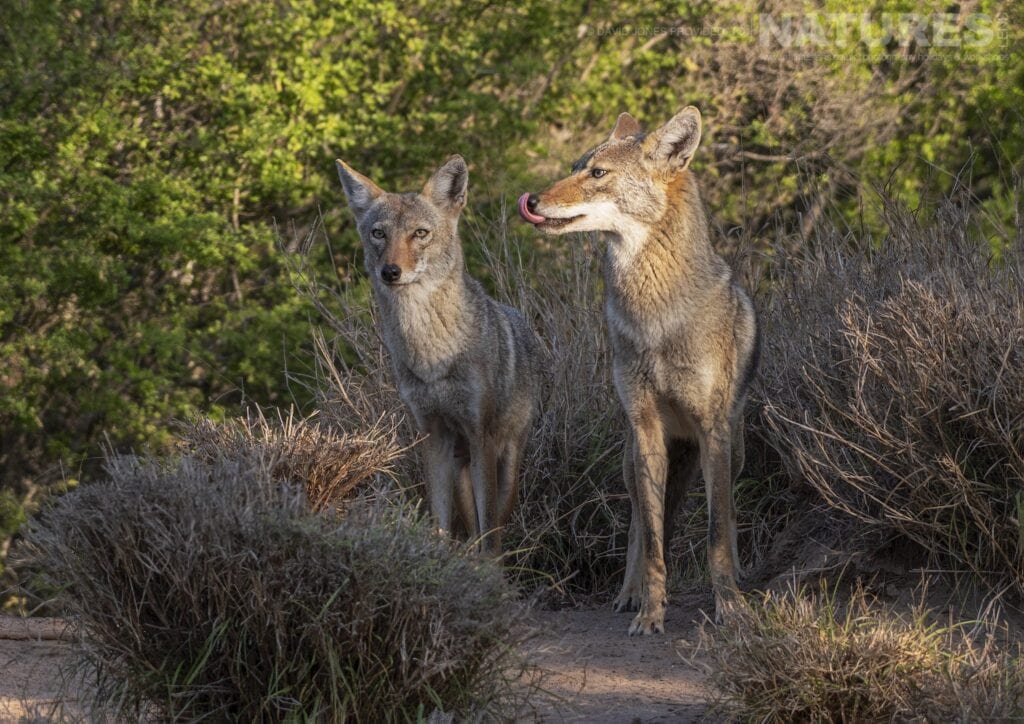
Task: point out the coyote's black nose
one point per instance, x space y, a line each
531 202
390 273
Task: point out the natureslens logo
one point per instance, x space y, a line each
816 34
877 31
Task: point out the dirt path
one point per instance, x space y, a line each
31 654
596 672
604 676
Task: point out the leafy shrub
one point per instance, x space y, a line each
801 657
893 384
150 148
12 516
205 589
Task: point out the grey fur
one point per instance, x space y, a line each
466 366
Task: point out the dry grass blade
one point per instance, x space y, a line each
799 656
329 464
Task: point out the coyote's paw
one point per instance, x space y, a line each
728 604
627 600
648 622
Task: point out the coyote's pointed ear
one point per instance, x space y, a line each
447 187
360 191
625 126
676 141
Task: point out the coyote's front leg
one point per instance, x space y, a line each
651 470
508 476
484 472
632 585
439 459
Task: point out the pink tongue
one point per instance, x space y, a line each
526 213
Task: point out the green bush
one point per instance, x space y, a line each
150 151
206 590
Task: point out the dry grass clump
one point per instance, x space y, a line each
331 465
569 529
893 383
801 657
207 590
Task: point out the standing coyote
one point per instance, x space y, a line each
465 366
684 343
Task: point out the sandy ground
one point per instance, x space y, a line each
31 654
601 675
593 672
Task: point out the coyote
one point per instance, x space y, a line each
466 366
684 343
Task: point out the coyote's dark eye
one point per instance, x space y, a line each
377 233
420 233
598 172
